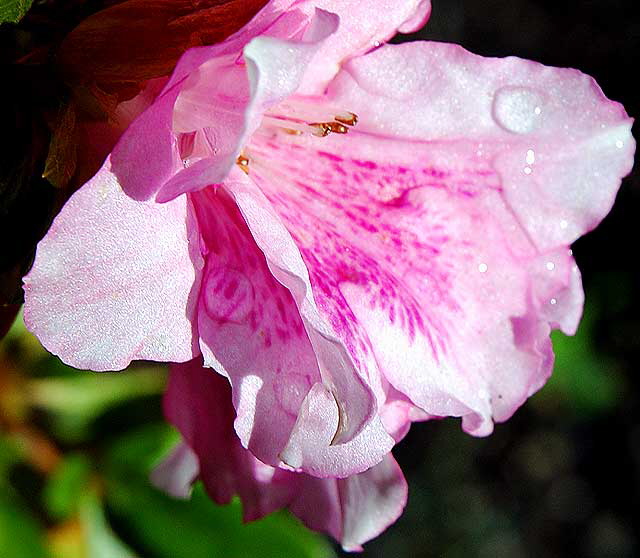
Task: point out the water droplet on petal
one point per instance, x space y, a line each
553 301
564 224
528 170
619 144
517 109
550 266
531 157
483 267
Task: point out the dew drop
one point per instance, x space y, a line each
564 224
517 109
531 157
553 301
550 266
619 144
528 170
483 267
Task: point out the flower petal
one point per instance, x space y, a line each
420 249
112 280
371 501
356 509
558 145
310 446
210 89
228 100
349 383
421 267
177 472
353 510
146 155
363 26
251 330
198 403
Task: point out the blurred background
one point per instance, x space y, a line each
560 479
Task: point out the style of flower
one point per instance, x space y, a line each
353 236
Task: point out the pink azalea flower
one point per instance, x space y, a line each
346 274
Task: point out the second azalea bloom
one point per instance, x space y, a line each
335 238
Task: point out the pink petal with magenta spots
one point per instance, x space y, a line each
428 269
252 331
557 143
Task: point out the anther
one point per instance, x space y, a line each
320 129
348 118
243 163
337 127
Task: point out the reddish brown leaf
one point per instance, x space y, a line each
117 49
61 159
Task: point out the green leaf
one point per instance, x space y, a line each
10 455
13 11
588 381
65 487
76 400
101 541
20 535
169 528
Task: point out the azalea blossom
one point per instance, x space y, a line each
333 238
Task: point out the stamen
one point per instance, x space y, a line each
338 128
348 118
243 163
304 118
320 129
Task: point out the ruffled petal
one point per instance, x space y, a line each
146 155
198 403
353 510
356 509
310 447
225 100
417 254
370 502
363 26
216 95
558 145
114 280
350 381
252 331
